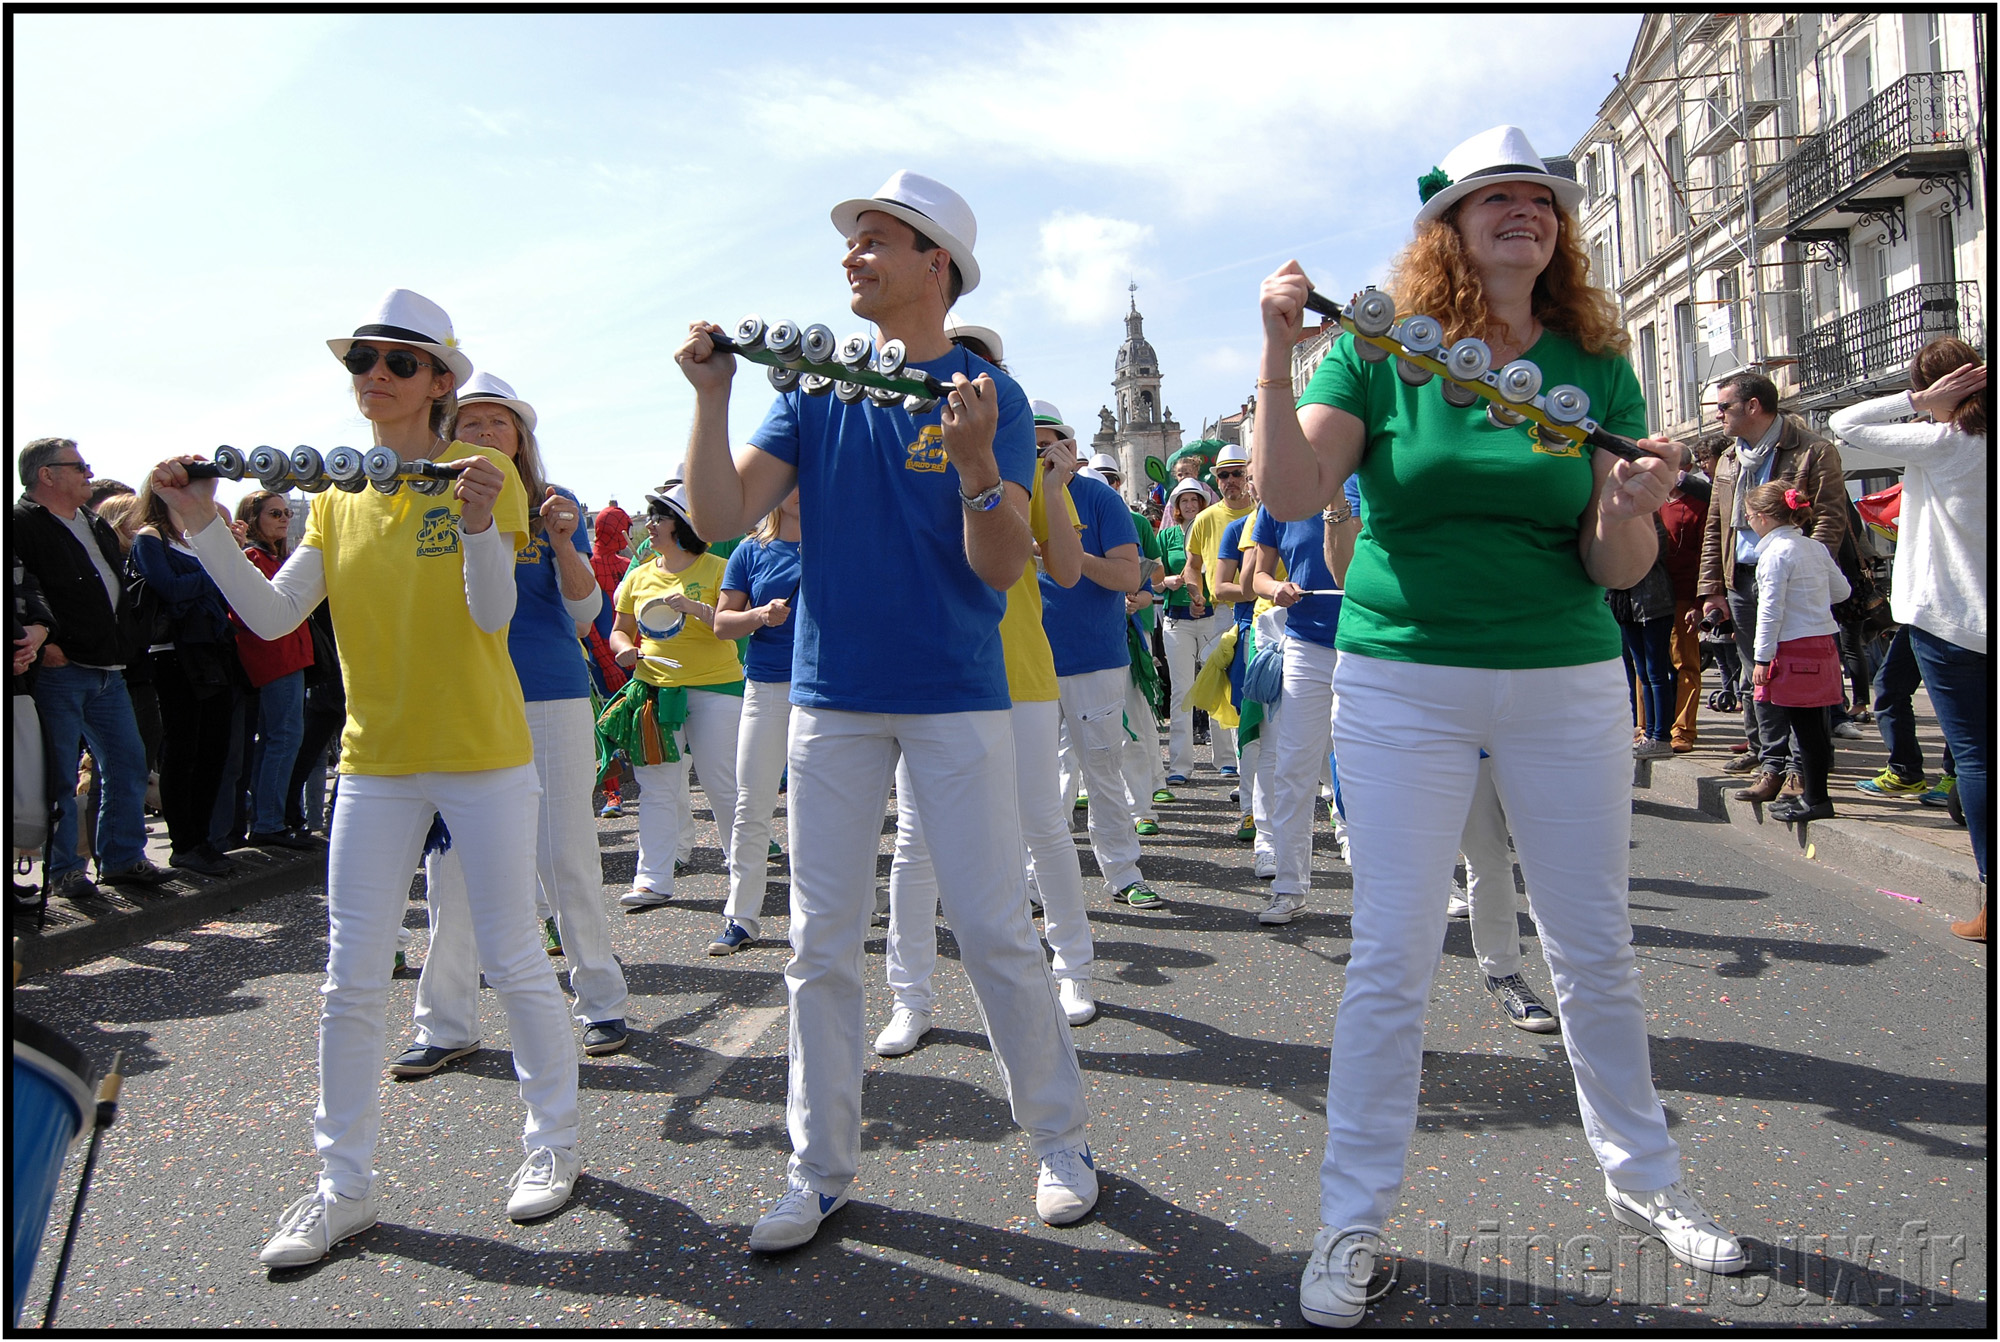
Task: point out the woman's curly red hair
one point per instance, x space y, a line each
1434 275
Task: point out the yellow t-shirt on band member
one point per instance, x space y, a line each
428 691
704 659
1204 538
1031 665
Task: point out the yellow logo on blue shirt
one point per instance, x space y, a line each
534 551
438 535
927 453
1554 444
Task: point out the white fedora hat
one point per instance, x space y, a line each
985 335
1233 454
408 318
670 498
1104 461
1048 417
486 387
1091 473
928 206
1195 487
1501 154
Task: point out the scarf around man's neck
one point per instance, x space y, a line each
1751 460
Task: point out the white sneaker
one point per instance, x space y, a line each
795 1219
311 1227
1672 1216
902 1032
641 897
1333 1293
1066 1189
1266 866
1340 837
1281 909
543 1183
1077 1002
1457 905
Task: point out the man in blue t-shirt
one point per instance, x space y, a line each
1086 629
912 528
1298 729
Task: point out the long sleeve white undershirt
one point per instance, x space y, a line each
273 607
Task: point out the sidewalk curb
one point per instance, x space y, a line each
133 921
1854 848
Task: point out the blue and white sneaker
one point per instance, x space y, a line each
1227 771
611 811
795 1220
1176 780
1066 1188
731 940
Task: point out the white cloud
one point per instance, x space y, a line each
1086 261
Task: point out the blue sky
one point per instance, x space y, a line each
201 200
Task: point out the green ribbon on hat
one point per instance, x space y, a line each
1430 184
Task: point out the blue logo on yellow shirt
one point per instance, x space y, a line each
927 453
438 535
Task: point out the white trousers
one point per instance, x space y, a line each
1489 880
1189 645
1139 759
1296 739
962 776
378 833
1408 737
913 891
570 877
1093 713
760 765
1260 772
666 819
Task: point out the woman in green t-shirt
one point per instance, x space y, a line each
1184 504
1474 621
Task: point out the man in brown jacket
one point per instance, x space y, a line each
1768 446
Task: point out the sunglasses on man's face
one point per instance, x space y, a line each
73 465
1229 475
360 358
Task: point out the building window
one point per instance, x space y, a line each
1677 176
1649 373
1642 221
1593 180
1687 403
1600 263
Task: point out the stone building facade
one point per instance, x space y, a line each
1790 192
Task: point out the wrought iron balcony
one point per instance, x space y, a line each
1916 127
1875 344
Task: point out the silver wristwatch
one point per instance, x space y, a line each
986 500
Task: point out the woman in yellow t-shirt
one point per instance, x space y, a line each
421 588
686 694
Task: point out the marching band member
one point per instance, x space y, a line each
555 592
421 589
933 508
1474 619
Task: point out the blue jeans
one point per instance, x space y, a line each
1896 680
280 728
1959 681
80 705
1649 655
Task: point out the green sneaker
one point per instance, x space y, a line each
1941 792
775 853
551 939
1889 783
402 964
1146 827
1161 797
1137 896
1247 831
1082 800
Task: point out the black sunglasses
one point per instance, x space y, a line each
1229 475
360 358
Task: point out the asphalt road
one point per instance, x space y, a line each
1821 1051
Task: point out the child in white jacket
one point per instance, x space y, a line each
1798 657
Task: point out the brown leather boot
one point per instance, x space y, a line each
1973 928
1765 789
